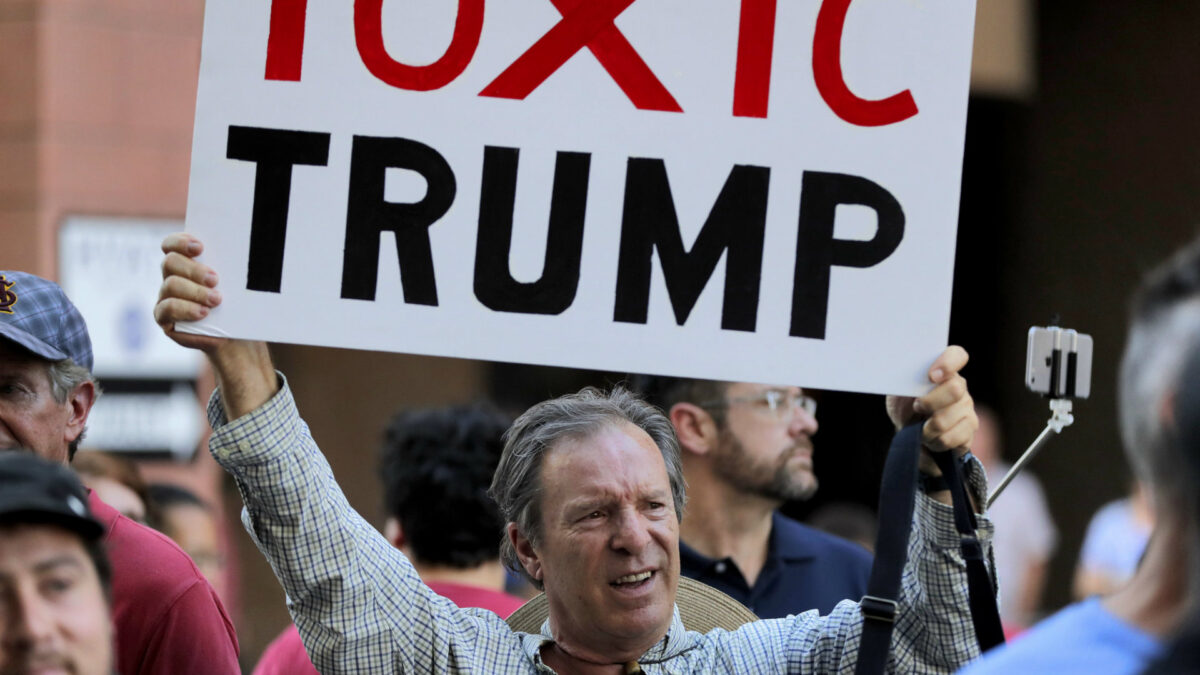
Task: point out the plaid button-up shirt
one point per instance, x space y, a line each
361 608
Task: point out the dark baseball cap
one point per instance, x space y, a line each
33 490
37 315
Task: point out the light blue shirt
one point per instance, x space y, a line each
1083 638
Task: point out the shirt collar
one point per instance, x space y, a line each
674 643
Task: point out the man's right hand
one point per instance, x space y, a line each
189 292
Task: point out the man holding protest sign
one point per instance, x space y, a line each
593 492
747 448
608 112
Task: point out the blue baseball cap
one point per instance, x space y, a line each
37 315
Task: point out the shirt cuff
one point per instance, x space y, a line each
256 436
942 532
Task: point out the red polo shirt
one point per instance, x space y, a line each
168 619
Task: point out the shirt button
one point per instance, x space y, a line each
720 568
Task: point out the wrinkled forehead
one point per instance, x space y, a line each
613 458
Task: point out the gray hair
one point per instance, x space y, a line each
1164 329
517 484
65 376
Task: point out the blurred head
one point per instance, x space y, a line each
848 520
592 490
763 442
1183 653
55 611
46 384
1164 329
986 443
115 480
437 464
189 522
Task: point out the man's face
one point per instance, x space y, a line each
30 417
766 452
117 495
609 558
195 530
54 617
985 444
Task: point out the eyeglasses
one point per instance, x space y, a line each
780 403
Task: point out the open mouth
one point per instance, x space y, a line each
633 580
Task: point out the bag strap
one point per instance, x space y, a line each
897 499
980 586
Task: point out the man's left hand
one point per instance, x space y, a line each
948 410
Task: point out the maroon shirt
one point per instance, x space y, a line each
168 619
286 656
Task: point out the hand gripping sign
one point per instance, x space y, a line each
731 189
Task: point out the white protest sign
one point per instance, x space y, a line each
734 190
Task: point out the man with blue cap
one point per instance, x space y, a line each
46 366
168 619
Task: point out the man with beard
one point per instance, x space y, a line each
747 449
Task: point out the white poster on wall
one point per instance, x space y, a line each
745 190
109 267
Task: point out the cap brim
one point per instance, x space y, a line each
88 528
30 343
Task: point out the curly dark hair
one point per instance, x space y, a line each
436 465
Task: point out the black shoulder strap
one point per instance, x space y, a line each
897 498
980 586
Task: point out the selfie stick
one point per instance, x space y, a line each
1060 418
1060 394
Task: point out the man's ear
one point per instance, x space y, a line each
696 429
524 548
79 403
394 532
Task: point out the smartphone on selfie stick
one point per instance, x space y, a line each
1058 365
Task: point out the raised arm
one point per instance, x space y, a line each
933 631
245 374
357 601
